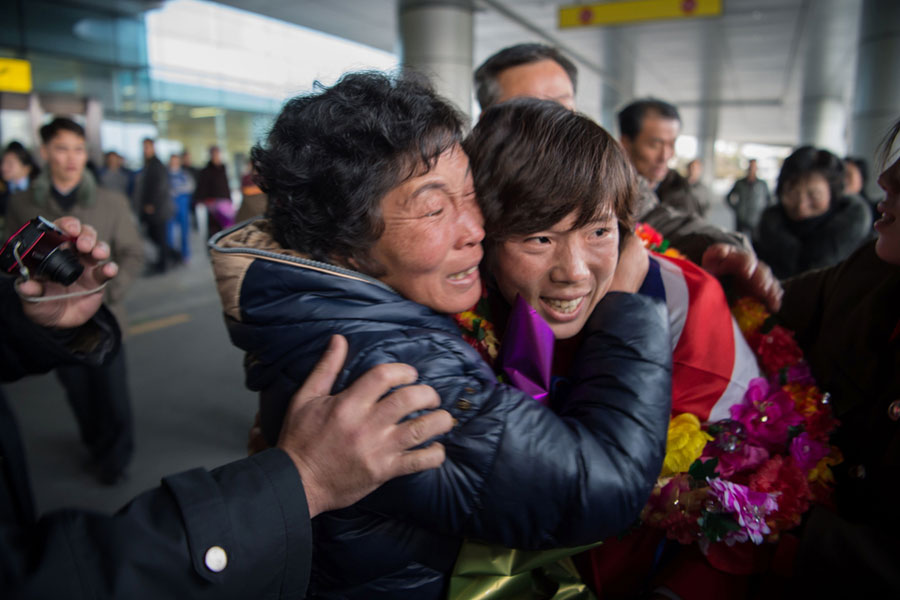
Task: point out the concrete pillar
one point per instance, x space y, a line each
619 64
876 105
823 114
436 39
93 117
711 89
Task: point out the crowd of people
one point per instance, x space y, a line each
557 362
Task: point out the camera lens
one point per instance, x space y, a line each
61 265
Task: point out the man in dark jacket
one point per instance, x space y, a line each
154 203
239 531
98 394
214 192
539 71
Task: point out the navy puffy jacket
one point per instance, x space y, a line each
516 473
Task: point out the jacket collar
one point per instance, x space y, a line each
85 194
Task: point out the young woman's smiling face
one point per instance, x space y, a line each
561 272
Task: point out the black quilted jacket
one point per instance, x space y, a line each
516 473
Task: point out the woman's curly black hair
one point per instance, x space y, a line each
331 156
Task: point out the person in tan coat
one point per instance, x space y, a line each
98 395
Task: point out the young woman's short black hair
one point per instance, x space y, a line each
631 118
807 160
534 162
331 157
51 129
487 90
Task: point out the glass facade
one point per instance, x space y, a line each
188 72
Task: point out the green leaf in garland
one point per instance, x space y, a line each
700 471
716 526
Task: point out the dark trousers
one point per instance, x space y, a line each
157 233
102 406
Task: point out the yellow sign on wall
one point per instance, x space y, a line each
616 13
15 75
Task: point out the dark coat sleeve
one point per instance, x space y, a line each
156 546
519 474
690 233
26 348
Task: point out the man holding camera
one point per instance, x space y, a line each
239 531
98 394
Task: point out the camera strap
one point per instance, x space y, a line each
36 299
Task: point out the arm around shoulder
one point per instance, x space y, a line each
522 476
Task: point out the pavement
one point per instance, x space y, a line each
187 392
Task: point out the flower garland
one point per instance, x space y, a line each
752 476
477 329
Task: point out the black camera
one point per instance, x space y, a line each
39 249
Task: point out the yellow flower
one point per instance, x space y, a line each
750 314
822 472
684 445
807 398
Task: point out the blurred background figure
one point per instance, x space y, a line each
699 190
181 188
253 199
813 224
114 175
17 169
856 179
151 191
214 192
99 396
748 198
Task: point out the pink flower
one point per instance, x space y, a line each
750 509
766 413
744 457
799 373
807 452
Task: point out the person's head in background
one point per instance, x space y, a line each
751 169
17 166
186 158
149 148
113 161
174 163
888 225
856 176
529 71
64 150
809 181
554 188
215 155
648 129
694 170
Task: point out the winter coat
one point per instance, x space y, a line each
516 474
687 232
847 319
106 211
151 193
212 182
792 247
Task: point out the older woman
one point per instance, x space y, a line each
373 232
814 224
